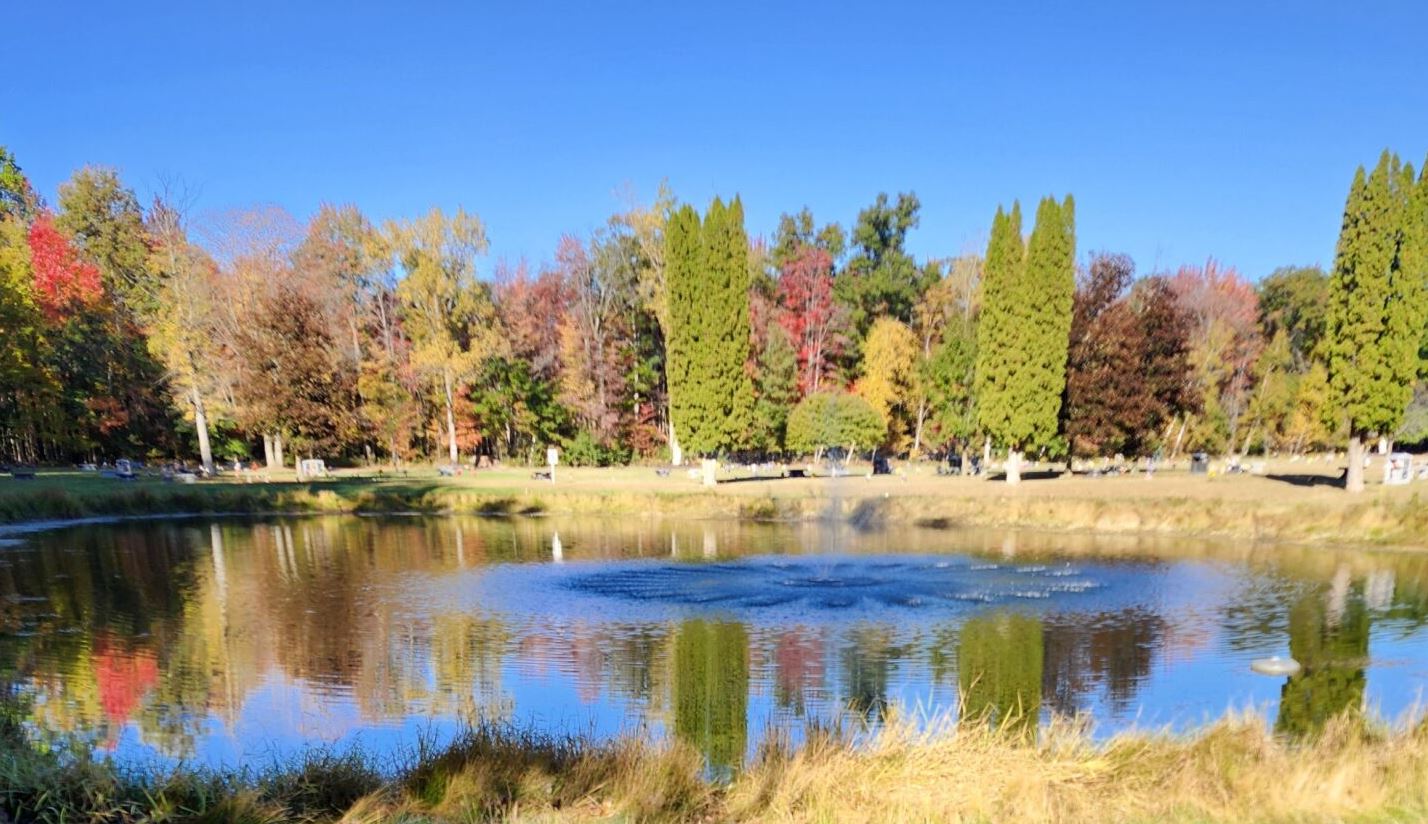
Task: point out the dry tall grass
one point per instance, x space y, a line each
1236 770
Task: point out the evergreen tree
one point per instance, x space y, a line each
882 279
776 388
682 267
1415 261
1375 317
950 378
712 395
1025 328
733 401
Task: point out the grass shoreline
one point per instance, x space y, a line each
1375 519
1234 770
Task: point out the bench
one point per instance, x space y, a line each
541 475
23 474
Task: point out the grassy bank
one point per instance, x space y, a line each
1286 507
1233 771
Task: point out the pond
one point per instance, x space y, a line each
240 641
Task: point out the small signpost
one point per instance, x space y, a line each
552 458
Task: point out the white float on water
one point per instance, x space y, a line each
1275 666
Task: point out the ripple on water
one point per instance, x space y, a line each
818 584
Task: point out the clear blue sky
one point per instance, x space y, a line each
1184 129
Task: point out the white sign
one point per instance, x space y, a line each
552 456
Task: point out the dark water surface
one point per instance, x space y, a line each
240 641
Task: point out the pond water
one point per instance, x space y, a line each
228 641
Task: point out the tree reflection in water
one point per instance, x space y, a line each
201 636
711 689
1329 637
999 668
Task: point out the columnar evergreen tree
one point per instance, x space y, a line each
707 276
1025 328
776 387
682 268
1415 260
1375 310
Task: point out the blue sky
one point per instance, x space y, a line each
1184 130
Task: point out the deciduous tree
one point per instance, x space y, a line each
446 310
825 420
891 382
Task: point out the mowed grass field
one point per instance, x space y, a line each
1290 500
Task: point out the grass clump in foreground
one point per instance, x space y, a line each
1233 771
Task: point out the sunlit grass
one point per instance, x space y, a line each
1236 770
1241 507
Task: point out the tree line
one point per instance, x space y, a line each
142 330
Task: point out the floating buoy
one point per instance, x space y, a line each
1275 666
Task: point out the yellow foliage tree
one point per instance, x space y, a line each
890 380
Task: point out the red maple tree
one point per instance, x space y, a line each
810 315
63 282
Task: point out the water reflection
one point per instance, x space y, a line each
230 641
711 689
1000 665
1329 637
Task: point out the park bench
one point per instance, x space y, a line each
22 474
541 475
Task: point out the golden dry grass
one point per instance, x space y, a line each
1233 771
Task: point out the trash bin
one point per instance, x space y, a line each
1199 464
880 465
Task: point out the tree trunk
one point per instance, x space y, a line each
1354 480
450 416
987 458
1013 466
676 453
917 435
269 457
200 425
1175 452
278 450
966 455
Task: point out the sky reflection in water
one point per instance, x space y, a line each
240 641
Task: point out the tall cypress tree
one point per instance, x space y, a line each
1051 269
707 275
683 263
1415 261
735 409
1375 315
1025 327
